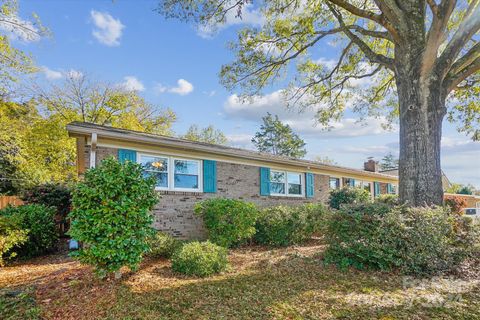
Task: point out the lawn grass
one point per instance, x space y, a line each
289 283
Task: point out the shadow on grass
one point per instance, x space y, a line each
293 288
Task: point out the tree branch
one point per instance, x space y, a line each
467 59
463 75
437 33
378 18
467 28
369 53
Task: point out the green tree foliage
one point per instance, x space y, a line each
39 221
277 138
200 259
389 162
207 135
111 216
229 222
11 236
405 60
13 61
461 189
33 149
80 98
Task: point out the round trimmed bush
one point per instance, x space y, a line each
283 225
348 195
39 221
229 222
163 245
200 259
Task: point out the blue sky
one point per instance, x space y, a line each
174 65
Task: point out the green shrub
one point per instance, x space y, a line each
229 222
348 195
51 195
111 215
391 199
40 223
163 245
283 226
200 259
11 235
418 241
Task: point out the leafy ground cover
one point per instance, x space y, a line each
283 283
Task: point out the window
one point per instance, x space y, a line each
157 167
367 186
186 174
334 183
286 183
172 173
294 183
349 182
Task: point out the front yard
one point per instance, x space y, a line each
289 283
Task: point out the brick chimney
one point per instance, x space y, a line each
371 165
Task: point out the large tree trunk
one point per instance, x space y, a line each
422 109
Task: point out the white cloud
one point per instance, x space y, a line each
302 122
19 29
241 140
52 74
327 63
183 88
108 29
249 16
131 83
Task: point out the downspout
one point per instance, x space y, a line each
93 150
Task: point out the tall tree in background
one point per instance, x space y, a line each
389 162
423 58
81 99
277 138
207 135
14 62
33 149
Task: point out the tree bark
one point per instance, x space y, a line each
422 109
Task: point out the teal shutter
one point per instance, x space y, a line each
352 183
376 186
264 181
389 188
125 154
310 187
209 176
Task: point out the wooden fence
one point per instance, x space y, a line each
10 200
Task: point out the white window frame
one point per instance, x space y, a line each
286 194
171 172
340 182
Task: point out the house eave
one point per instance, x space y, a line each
79 129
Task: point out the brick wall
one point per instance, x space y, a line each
174 213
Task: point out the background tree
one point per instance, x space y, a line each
389 161
14 62
81 99
277 138
422 58
326 160
461 189
33 149
207 135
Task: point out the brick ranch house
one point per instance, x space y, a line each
188 172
